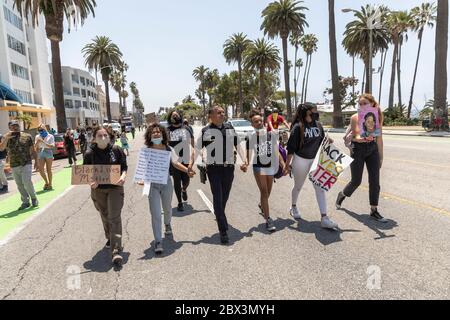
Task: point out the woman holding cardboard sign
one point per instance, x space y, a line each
160 195
367 148
108 199
305 141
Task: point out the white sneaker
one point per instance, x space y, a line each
328 224
295 214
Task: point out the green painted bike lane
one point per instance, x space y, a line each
11 218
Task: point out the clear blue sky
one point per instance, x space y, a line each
163 41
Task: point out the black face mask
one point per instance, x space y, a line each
315 116
177 120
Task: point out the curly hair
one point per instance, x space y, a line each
254 113
169 116
148 134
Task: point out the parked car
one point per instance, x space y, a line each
165 124
117 128
59 151
242 127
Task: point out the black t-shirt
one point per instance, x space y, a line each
263 149
314 135
180 138
68 141
208 137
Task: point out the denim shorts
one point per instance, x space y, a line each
265 171
46 154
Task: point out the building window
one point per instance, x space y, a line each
19 71
85 105
13 114
83 93
77 104
83 81
76 91
75 78
68 104
24 95
12 18
16 45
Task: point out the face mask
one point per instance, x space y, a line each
103 144
177 120
43 134
157 141
315 116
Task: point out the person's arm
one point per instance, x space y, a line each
4 141
292 145
380 141
123 167
182 168
269 123
287 124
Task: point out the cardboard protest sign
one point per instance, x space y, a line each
153 166
102 174
329 164
369 122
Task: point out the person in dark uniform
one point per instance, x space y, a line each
220 141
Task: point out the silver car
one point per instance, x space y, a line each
242 127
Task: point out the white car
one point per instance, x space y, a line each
242 127
117 128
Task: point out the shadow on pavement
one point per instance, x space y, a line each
324 236
188 210
169 245
375 226
16 213
234 235
280 224
101 262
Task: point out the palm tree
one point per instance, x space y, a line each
211 81
423 15
295 40
199 74
357 38
124 94
338 121
189 99
54 13
117 81
122 68
440 76
309 45
233 51
264 57
103 55
282 18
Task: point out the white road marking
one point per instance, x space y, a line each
206 201
24 224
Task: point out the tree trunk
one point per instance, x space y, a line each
399 84
338 121
241 100
262 90
125 105
363 85
108 101
367 73
394 65
307 78
58 87
295 78
440 76
286 78
304 79
415 74
383 64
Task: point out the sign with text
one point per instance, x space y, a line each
329 164
153 166
102 174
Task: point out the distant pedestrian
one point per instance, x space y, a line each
109 199
44 144
3 179
83 141
20 148
133 132
124 142
69 145
160 196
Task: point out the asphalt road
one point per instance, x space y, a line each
60 254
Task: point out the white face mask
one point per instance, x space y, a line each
103 143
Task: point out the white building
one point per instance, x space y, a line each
80 98
24 69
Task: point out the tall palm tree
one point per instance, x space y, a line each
282 18
440 76
423 16
212 80
262 56
103 55
233 51
188 99
338 120
199 75
295 40
54 13
357 38
122 68
309 45
124 94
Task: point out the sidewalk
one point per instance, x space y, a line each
403 131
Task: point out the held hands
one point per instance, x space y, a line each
94 185
244 167
287 169
191 172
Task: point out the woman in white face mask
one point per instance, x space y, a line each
109 199
160 196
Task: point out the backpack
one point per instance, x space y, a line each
283 154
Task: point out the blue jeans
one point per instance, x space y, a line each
160 198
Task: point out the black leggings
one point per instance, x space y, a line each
181 181
365 153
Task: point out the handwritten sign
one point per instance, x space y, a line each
329 164
102 174
153 166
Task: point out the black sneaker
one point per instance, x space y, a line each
270 225
184 195
24 206
180 207
117 259
169 231
224 238
378 217
34 203
339 200
108 244
159 248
